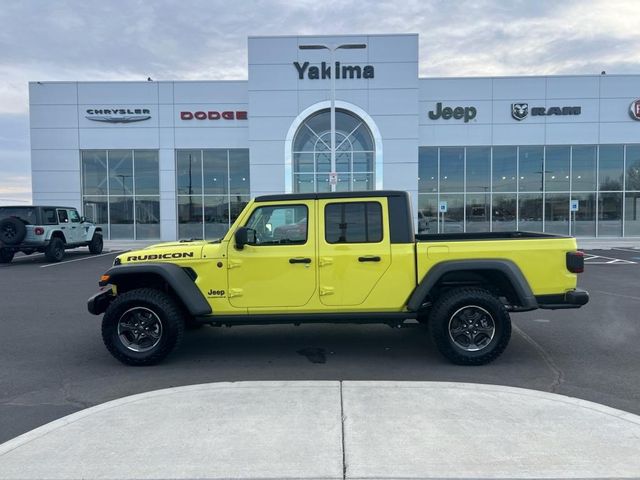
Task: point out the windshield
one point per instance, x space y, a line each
26 214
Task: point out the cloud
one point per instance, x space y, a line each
207 39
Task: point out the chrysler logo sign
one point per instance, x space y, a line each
520 111
118 115
634 109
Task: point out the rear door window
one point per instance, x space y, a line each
49 216
353 222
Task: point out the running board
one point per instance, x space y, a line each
393 319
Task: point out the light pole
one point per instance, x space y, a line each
332 49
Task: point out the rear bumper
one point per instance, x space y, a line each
572 299
99 302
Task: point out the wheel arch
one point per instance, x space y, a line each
503 276
166 277
58 234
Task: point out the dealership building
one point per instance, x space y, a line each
179 159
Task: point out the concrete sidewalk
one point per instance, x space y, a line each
326 430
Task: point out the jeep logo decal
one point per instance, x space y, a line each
467 113
159 256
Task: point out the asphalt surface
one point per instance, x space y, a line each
54 363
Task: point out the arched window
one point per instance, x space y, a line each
355 152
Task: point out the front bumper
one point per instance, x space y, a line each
571 299
99 302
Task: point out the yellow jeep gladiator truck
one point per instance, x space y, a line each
336 258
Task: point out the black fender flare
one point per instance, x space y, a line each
507 267
175 276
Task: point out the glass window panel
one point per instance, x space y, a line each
556 170
530 170
583 175
147 172
322 183
504 169
239 171
632 214
147 217
362 181
189 172
305 139
530 211
216 216
504 212
344 182
556 213
427 169
216 174
304 183
120 172
609 214
190 217
323 162
363 162
478 172
584 224
238 202
453 220
280 224
478 210
452 169
121 213
353 222
303 162
94 172
427 213
633 168
95 209
343 162
610 165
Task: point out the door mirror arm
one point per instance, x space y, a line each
245 236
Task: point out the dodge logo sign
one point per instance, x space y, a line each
634 109
519 110
213 115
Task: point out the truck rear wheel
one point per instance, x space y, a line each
142 327
55 250
470 326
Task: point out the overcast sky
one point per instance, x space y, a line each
130 40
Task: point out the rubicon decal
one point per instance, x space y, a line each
118 115
457 113
634 109
520 111
214 115
159 256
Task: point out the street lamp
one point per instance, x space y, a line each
332 49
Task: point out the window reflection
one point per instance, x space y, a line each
504 212
452 169
610 214
611 163
530 169
583 159
556 170
530 212
504 169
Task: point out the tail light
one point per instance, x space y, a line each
38 231
575 261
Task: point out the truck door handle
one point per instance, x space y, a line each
299 260
369 258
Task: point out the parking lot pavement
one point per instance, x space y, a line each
54 362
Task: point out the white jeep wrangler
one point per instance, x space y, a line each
50 230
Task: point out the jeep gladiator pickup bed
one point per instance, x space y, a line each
339 258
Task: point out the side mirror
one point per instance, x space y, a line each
83 219
245 236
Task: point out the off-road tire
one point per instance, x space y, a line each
163 306
96 244
6 255
55 250
12 231
450 303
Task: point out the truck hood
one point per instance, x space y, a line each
171 252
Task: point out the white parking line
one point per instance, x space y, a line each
84 258
627 250
606 260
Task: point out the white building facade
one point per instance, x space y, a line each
173 159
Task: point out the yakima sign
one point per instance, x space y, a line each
342 71
118 115
213 115
634 109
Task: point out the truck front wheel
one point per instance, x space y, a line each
470 326
142 327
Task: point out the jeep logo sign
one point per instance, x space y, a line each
634 109
457 113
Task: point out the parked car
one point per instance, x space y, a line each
45 229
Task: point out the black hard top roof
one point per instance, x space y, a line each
36 206
329 195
